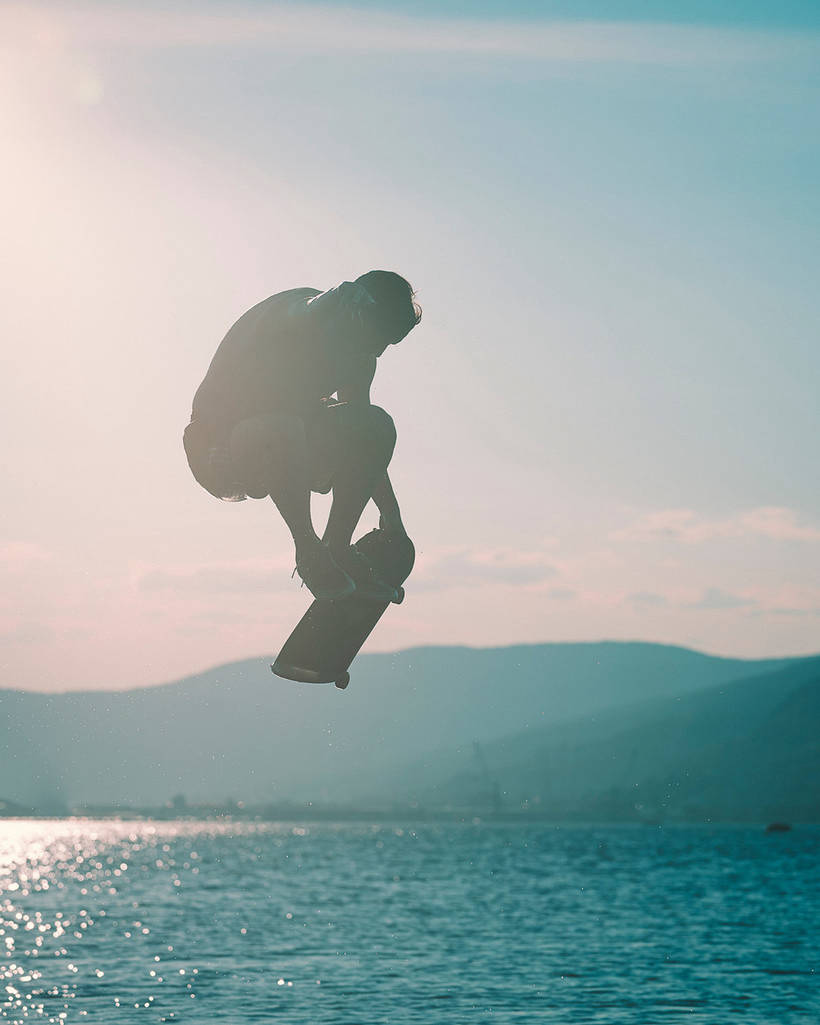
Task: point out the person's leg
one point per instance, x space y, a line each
362 440
271 457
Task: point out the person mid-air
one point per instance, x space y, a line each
265 421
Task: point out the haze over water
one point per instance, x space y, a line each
201 922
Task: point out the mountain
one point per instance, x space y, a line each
238 731
744 751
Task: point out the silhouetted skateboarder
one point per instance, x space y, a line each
265 421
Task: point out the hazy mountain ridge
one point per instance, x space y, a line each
238 731
748 750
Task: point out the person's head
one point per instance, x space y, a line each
393 312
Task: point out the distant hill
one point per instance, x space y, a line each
237 731
744 751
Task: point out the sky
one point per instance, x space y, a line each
608 417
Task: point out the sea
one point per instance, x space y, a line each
373 922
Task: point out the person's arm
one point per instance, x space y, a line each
360 370
356 388
388 506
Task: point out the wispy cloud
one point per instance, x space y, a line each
21 555
648 600
686 526
323 29
715 598
235 578
435 570
778 523
28 633
789 612
459 567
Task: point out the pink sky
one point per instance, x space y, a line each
575 461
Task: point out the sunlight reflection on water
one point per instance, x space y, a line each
109 921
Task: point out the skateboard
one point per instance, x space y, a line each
329 635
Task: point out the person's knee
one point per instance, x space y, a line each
363 437
380 435
382 429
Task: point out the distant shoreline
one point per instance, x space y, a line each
339 816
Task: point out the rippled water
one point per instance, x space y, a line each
195 922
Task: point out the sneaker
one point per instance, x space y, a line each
322 575
368 582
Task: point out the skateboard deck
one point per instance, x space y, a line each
329 635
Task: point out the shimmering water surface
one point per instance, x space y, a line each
200 923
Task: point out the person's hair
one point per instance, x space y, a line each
396 311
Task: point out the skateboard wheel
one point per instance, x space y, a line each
343 681
399 595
